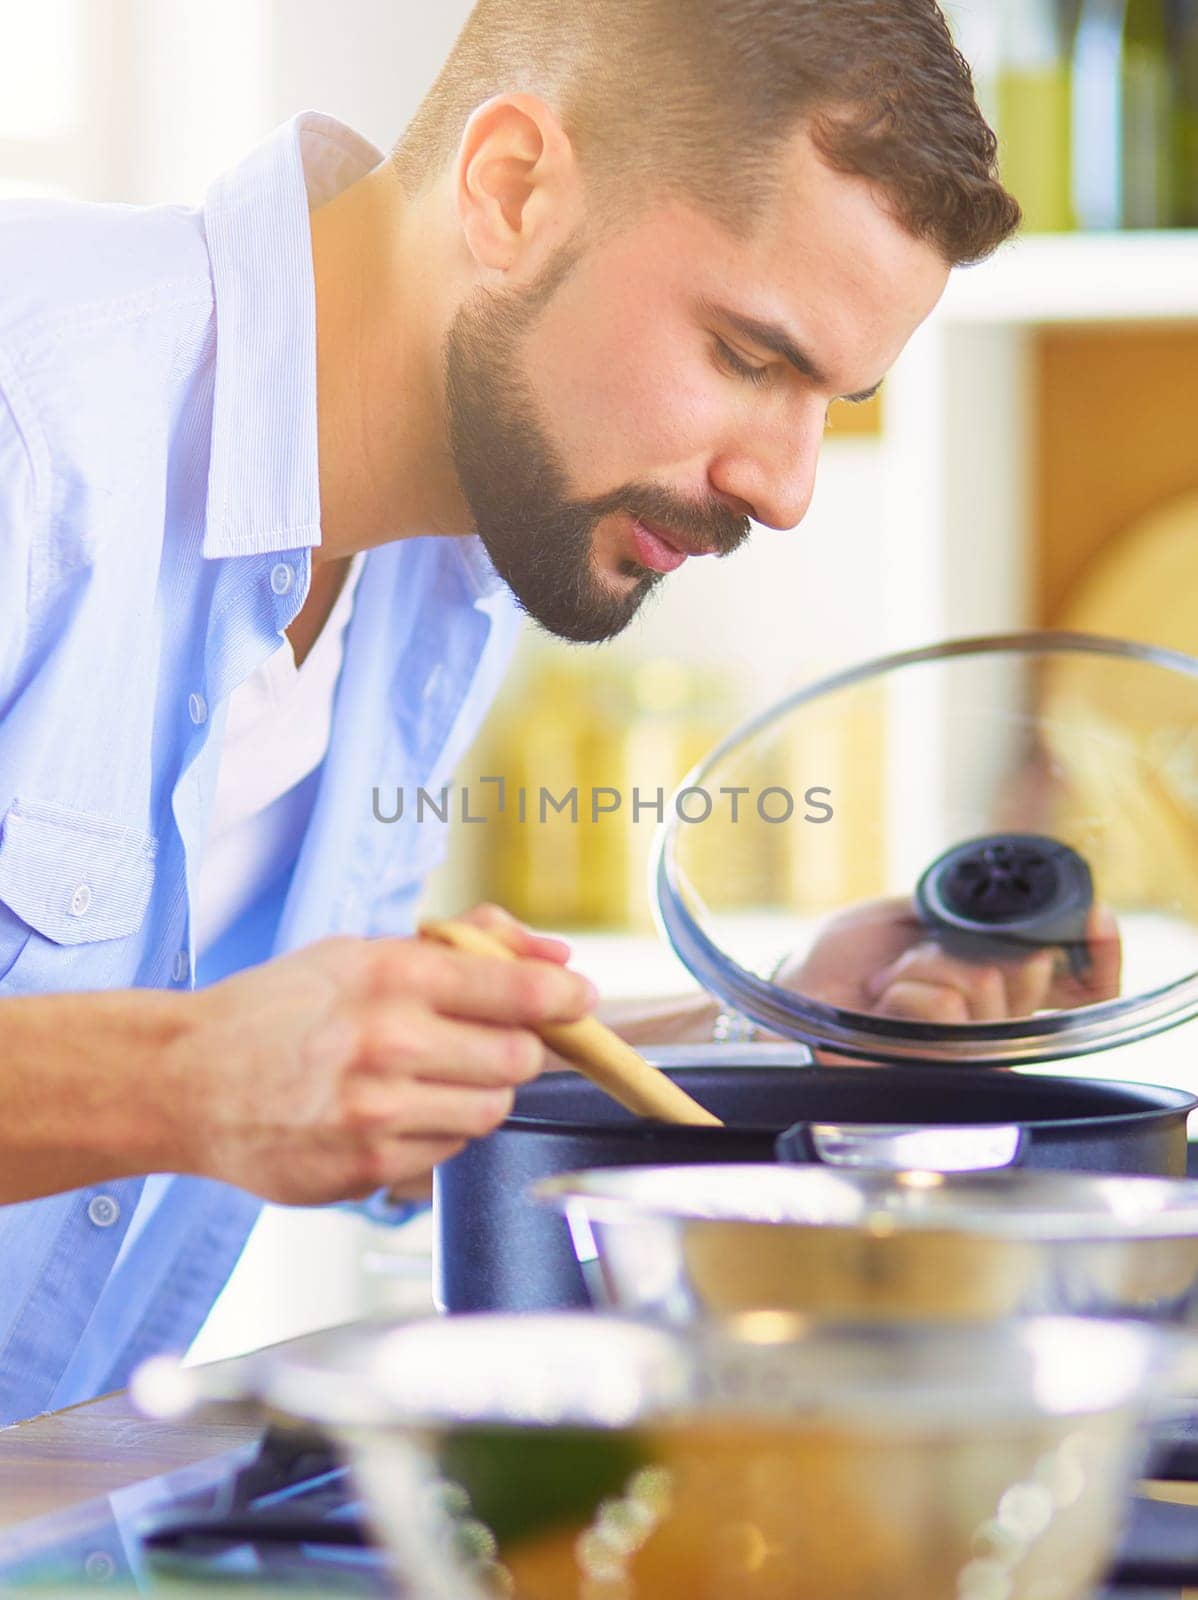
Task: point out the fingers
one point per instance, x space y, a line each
914 1001
946 989
419 1187
383 1109
523 993
523 941
1030 982
927 985
403 1128
402 1039
403 1166
1102 977
878 958
857 942
935 987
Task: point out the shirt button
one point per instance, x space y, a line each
197 709
281 578
80 900
103 1210
180 967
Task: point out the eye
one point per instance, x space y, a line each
731 362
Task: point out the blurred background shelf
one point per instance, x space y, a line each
1069 278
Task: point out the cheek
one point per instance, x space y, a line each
627 400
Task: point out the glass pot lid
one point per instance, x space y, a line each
984 851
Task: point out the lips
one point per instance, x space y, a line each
659 551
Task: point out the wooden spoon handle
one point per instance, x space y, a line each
597 1052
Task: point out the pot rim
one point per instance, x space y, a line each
1182 1104
569 1191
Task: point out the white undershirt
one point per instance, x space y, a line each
276 736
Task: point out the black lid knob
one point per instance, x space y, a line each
1007 895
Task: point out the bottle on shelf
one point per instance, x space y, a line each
590 754
1033 110
1183 53
1123 169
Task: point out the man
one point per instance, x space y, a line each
584 323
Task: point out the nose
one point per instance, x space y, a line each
770 469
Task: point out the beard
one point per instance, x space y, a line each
539 539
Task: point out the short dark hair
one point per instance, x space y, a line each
697 97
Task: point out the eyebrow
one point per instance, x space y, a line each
773 336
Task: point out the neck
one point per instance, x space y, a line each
385 466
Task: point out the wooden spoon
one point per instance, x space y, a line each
597 1052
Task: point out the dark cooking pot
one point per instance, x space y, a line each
498 1249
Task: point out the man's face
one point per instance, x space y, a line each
657 388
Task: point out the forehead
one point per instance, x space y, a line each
827 260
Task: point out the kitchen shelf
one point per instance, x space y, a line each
1046 279
960 441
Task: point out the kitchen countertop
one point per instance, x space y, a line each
67 1457
70 1456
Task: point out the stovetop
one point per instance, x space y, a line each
282 1515
277 1514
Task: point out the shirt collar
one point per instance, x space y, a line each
263 476
478 570
264 470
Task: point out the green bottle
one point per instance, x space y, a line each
1033 105
1123 116
1147 117
1183 52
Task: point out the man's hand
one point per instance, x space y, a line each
356 1064
880 959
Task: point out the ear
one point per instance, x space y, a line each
518 187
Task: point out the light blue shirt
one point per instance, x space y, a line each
159 499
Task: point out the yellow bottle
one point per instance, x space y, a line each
1034 113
